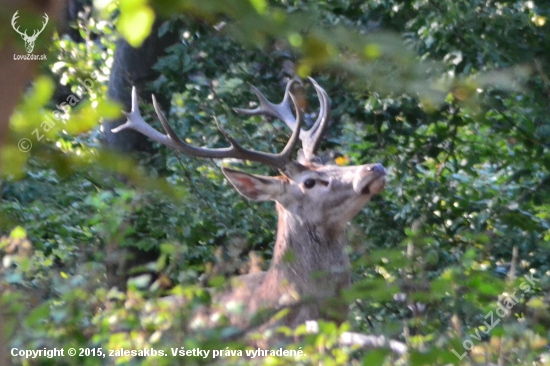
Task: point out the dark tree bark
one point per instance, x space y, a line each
132 67
71 16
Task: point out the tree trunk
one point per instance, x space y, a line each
132 67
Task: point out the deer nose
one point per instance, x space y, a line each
378 168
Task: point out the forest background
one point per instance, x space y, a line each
452 96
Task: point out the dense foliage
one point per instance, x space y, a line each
452 96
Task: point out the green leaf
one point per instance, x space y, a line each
136 21
376 357
18 233
259 5
38 315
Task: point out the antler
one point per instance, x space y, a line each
44 23
36 31
136 122
311 139
13 19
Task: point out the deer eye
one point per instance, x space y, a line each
309 183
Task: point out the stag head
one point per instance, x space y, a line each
29 40
307 191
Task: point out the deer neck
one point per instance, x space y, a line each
308 259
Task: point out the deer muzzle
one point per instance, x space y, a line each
371 179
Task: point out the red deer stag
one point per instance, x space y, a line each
314 202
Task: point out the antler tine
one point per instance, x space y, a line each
45 22
13 23
312 139
36 32
281 111
136 122
296 132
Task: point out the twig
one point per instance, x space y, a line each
364 341
529 192
358 303
455 31
526 133
93 181
450 152
544 79
265 318
512 273
372 342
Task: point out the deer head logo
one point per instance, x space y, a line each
29 40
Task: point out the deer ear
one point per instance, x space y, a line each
254 187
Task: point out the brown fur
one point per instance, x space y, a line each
310 267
